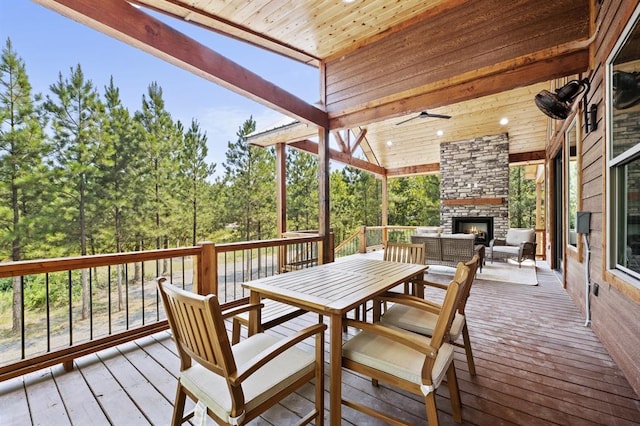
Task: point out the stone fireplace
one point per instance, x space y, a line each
474 185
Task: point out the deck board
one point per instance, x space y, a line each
537 364
73 387
116 403
45 403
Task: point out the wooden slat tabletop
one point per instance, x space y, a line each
335 287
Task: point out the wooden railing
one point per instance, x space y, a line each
57 325
541 243
75 306
369 238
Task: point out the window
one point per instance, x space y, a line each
571 140
624 152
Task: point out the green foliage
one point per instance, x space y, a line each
302 190
522 199
35 291
415 200
6 284
250 185
193 172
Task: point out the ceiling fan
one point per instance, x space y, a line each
425 114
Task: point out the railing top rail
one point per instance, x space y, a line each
246 245
41 266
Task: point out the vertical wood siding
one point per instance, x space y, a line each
615 315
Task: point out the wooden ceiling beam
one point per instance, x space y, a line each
420 169
312 148
121 20
359 138
341 143
525 157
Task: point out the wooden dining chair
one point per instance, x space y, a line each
407 360
397 252
235 384
423 320
405 253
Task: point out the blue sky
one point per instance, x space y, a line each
50 44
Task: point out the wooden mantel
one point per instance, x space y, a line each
476 201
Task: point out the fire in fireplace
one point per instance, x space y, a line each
481 227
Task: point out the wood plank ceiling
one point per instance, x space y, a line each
380 62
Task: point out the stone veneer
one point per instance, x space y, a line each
475 169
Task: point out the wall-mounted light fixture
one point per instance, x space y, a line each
558 105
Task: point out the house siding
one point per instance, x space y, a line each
615 312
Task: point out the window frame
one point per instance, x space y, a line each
616 166
574 128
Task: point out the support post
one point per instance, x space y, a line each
205 274
323 192
385 210
281 201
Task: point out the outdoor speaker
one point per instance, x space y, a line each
584 221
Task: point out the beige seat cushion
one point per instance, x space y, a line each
430 230
398 360
276 375
421 322
514 250
515 236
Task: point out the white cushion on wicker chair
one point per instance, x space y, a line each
421 322
515 236
431 230
266 382
401 361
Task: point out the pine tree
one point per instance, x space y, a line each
122 180
76 114
22 148
522 199
302 190
249 175
342 206
160 148
194 172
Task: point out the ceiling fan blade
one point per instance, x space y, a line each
437 115
409 119
425 114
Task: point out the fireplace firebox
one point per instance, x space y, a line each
481 227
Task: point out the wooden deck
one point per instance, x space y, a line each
537 364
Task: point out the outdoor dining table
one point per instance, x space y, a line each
332 289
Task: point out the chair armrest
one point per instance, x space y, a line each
233 311
527 245
430 283
268 354
412 301
414 341
498 242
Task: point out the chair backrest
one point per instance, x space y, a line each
198 330
405 252
447 311
515 236
457 246
466 290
